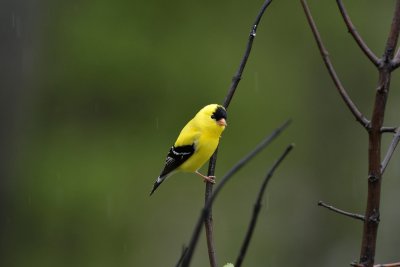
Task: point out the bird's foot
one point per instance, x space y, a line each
210 179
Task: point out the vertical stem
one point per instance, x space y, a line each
371 222
208 220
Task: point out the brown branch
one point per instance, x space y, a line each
375 127
257 207
393 34
391 150
342 212
353 31
325 56
370 229
208 221
224 180
392 41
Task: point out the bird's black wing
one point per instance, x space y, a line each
176 157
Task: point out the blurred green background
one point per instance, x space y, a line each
95 92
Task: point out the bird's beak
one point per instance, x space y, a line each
222 122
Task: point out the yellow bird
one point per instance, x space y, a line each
196 143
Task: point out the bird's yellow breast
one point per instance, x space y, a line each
204 148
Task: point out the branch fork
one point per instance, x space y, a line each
374 217
374 127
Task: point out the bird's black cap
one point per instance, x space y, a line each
219 113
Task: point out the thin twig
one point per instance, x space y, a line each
184 250
208 221
393 61
391 150
348 214
257 207
353 31
238 76
228 175
396 60
325 56
388 129
393 34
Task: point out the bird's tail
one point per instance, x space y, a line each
159 180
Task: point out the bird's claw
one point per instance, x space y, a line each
210 179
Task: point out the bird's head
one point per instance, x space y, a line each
214 117
219 116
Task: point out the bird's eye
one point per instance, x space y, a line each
213 116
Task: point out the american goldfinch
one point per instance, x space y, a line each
195 144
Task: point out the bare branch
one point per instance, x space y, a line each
226 178
396 60
388 129
391 150
257 207
374 127
184 250
325 56
393 34
392 40
208 221
238 76
348 214
371 223
353 31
